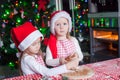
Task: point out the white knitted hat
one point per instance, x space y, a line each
55 16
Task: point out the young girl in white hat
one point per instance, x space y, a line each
61 47
28 40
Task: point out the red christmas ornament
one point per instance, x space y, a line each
43 24
11 15
41 5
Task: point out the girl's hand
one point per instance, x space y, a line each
62 61
73 64
71 57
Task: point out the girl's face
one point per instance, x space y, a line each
61 27
34 47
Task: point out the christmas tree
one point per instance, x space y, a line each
81 19
16 12
81 23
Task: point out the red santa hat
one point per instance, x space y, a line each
24 35
55 16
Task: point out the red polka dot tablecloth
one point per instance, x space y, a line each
104 70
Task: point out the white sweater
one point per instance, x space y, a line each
55 62
30 66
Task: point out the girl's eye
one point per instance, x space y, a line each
57 24
65 23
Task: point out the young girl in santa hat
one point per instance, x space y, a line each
28 40
61 47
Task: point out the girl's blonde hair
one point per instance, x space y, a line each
19 64
68 35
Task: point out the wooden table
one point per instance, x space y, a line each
104 70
